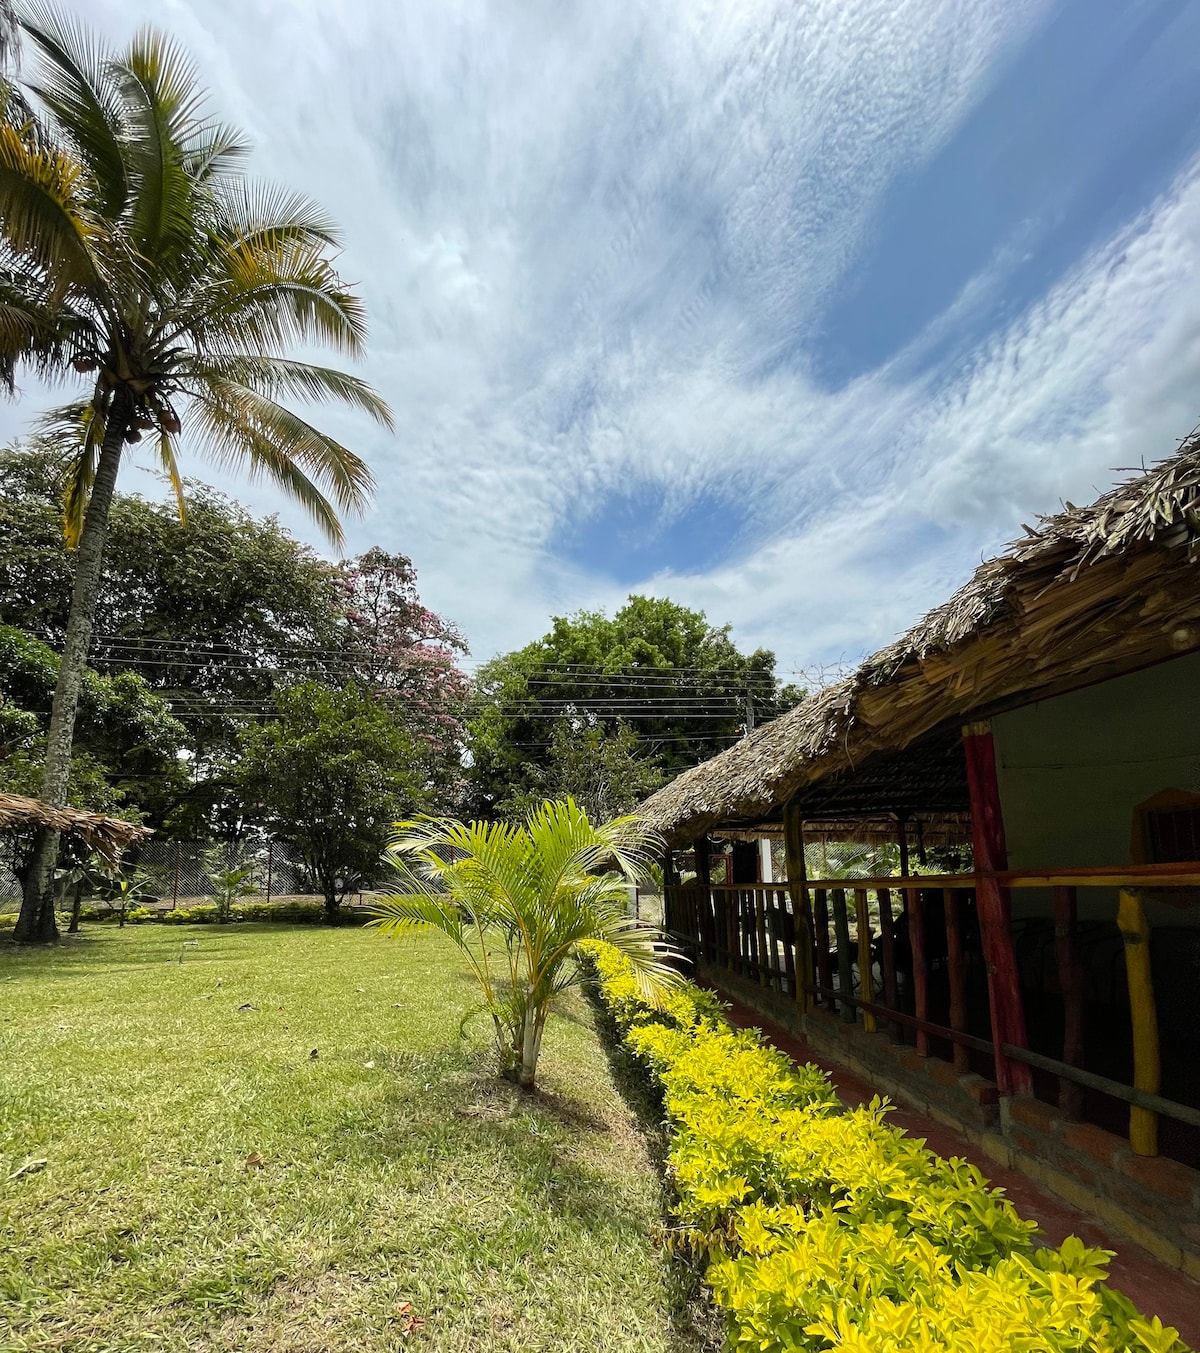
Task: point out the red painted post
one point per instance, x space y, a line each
957 974
992 902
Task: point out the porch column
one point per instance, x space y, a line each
1135 932
994 908
793 836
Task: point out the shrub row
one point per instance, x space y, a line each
823 1227
206 913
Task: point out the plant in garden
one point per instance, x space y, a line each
135 252
230 881
329 774
518 901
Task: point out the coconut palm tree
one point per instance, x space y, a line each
135 252
518 900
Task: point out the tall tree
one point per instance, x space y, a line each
662 670
330 775
133 249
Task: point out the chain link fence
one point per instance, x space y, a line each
180 873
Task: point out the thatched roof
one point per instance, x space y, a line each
108 836
1087 594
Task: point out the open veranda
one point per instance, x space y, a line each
275 1139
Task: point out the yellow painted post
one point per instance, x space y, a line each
1135 932
866 983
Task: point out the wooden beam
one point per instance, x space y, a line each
866 983
841 926
704 901
1147 1070
1070 983
793 840
994 909
957 974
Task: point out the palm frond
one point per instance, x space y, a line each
235 442
293 438
75 83
264 299
276 376
264 218
163 102
44 210
166 458
79 430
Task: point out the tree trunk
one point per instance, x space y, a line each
76 907
531 1046
37 924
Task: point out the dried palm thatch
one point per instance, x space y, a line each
107 836
1089 593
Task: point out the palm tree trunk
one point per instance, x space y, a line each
36 924
531 1045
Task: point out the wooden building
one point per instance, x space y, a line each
1039 735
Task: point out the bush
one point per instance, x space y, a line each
823 1227
207 913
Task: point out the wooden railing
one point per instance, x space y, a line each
752 931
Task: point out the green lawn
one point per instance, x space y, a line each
405 1198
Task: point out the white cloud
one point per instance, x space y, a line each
588 233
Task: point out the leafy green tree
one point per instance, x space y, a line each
518 901
602 769
676 681
124 730
330 775
133 250
216 613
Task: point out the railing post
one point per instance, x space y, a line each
957 975
793 832
800 993
821 927
841 926
1070 983
887 952
704 906
1135 932
992 904
916 938
866 981
760 925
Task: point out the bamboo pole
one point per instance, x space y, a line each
841 926
916 936
992 903
821 927
793 832
1147 1069
887 952
957 975
1070 982
866 981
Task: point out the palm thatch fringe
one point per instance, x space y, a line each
108 836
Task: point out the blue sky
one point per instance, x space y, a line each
791 309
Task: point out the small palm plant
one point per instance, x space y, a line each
518 900
230 882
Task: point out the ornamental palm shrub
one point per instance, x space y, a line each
519 900
136 254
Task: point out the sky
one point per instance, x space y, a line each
790 310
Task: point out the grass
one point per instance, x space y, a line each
405 1197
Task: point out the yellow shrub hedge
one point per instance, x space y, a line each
825 1228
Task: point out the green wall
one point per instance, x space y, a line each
1073 768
